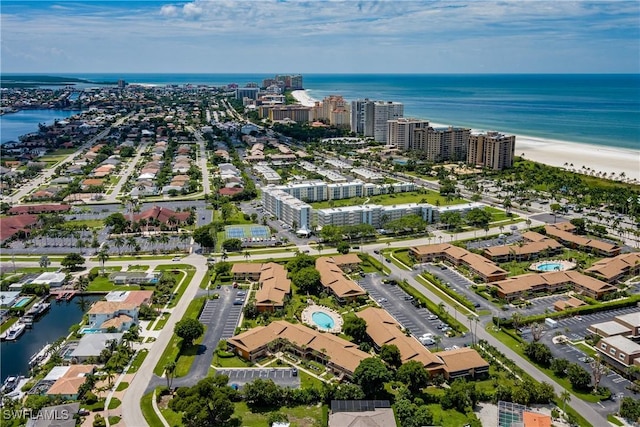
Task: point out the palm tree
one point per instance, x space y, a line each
164 239
118 242
131 242
247 255
565 397
103 256
169 373
184 238
44 262
437 339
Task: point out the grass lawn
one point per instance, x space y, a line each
138 268
308 381
229 362
516 346
173 418
172 351
447 417
135 258
103 284
464 311
614 420
90 223
181 282
431 197
186 357
122 386
147 410
137 361
114 403
585 349
114 420
164 317
300 416
6 325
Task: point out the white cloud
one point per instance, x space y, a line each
192 10
169 10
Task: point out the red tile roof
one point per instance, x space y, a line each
11 226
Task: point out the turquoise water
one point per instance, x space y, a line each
550 266
90 331
322 320
22 302
602 109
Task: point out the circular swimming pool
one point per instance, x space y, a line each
554 265
322 320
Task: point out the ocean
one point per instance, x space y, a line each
594 109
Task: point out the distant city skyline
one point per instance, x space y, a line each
227 36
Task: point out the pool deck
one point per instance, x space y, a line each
563 265
307 319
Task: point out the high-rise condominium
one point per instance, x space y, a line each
492 150
442 144
370 118
400 132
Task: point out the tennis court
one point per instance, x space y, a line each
247 231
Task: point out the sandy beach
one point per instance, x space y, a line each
596 159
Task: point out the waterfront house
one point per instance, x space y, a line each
69 384
91 345
135 277
51 279
107 314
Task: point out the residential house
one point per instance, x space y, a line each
91 345
135 277
107 314
361 413
68 385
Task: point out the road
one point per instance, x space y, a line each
113 197
206 182
48 173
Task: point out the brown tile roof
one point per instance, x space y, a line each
72 380
610 268
462 359
342 352
383 329
36 209
92 182
331 276
526 249
568 303
162 215
474 261
108 307
526 282
12 225
561 232
246 267
346 259
139 297
274 285
116 322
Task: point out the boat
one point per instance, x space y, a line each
14 332
39 356
38 309
27 320
10 384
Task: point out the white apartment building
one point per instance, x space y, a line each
268 175
492 150
331 175
401 132
287 208
374 215
463 209
338 164
367 175
369 118
309 191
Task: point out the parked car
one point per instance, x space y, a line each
432 317
238 301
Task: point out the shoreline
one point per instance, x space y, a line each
596 159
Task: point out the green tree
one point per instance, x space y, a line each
460 395
371 374
103 256
44 261
73 261
630 409
579 377
169 372
411 415
356 328
117 222
390 354
189 330
478 217
209 403
343 247
413 375
262 394
232 245
307 280
299 262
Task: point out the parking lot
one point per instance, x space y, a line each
418 320
457 283
230 321
284 377
509 239
540 305
575 328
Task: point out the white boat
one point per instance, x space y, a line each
39 356
14 332
39 309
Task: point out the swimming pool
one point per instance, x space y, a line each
22 302
552 265
322 320
90 331
549 266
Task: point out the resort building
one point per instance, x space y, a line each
287 208
442 144
401 132
333 279
296 113
384 330
619 351
492 150
274 287
160 215
563 232
339 355
246 271
555 281
534 245
334 110
613 270
477 265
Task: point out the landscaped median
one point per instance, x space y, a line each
174 349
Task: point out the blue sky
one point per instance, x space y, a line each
268 36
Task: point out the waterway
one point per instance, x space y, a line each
14 125
53 325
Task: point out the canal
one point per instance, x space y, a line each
14 125
53 325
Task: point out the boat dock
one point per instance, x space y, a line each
63 294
